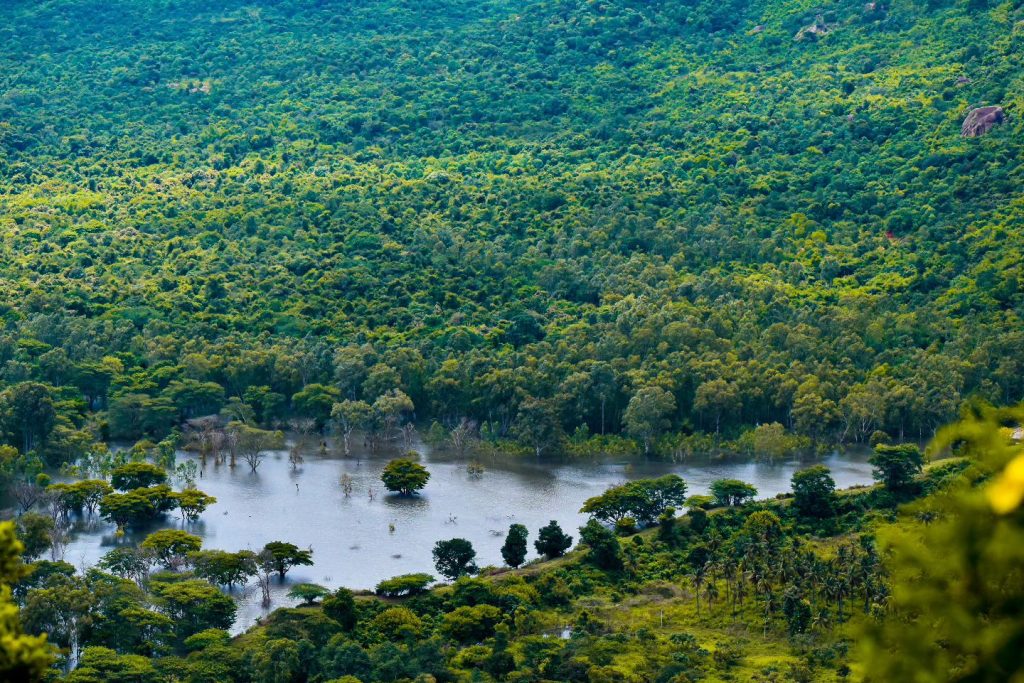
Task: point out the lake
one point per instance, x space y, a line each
359 540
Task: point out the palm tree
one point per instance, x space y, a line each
697 578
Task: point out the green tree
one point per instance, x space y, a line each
171 546
896 466
277 660
604 548
454 558
648 414
137 475
27 414
814 492
316 401
404 585
341 606
350 416
537 424
224 568
404 476
341 657
192 503
101 664
716 397
252 443
134 415
732 492
552 541
468 624
513 551
35 531
307 592
195 606
136 506
284 556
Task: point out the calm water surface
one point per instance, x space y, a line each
352 538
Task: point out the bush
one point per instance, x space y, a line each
625 526
471 624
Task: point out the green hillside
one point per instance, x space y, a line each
524 213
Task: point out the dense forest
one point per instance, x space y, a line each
558 221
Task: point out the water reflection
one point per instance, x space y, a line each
362 538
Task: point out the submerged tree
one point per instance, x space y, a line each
284 556
404 476
192 503
252 444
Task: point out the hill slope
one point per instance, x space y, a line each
528 210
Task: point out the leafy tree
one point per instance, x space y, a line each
732 492
404 585
252 443
170 546
137 475
814 492
537 424
35 531
27 414
284 556
85 494
103 664
797 611
195 606
342 658
604 548
316 401
896 466
471 624
350 416
307 592
128 562
513 551
136 506
134 415
277 661
404 476
192 502
454 558
552 541
223 568
341 606
648 414
717 397
192 397
643 500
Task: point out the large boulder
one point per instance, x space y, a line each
980 121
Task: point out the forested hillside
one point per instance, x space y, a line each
643 216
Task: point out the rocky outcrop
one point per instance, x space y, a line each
813 31
981 120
